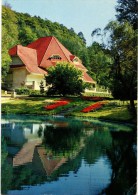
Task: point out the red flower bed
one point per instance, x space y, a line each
56 105
93 107
95 98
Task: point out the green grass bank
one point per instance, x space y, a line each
113 110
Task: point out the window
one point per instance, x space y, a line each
55 57
75 59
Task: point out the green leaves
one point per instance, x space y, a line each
123 46
64 79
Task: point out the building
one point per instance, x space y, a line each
30 63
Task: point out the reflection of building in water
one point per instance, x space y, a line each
36 155
45 162
24 146
19 133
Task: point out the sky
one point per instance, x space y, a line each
81 15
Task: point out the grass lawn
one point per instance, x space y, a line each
110 111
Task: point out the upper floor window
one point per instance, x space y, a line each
55 57
75 59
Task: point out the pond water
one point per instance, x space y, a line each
67 156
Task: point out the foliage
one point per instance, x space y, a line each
36 93
6 168
70 142
23 91
122 44
42 90
9 36
99 64
80 34
64 79
127 10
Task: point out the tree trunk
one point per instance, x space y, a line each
132 107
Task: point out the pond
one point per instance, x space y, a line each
67 156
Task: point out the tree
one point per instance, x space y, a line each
9 37
127 10
26 35
122 44
100 63
80 34
64 79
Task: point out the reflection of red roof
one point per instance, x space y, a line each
35 56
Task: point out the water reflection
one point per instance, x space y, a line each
84 156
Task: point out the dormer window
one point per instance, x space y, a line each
55 57
75 59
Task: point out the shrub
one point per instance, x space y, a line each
35 93
23 91
64 79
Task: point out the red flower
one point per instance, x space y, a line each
93 107
56 105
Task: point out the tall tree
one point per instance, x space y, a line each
122 44
80 34
127 10
99 64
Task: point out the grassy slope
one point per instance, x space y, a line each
111 111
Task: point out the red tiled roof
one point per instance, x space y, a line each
41 46
72 57
36 56
13 51
87 78
28 57
80 66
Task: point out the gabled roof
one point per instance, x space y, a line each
36 56
29 58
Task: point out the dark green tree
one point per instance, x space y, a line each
80 34
127 10
122 44
99 64
64 79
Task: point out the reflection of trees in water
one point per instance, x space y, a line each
97 145
123 161
72 165
6 168
62 141
26 175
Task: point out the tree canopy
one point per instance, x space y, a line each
127 10
64 79
122 45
